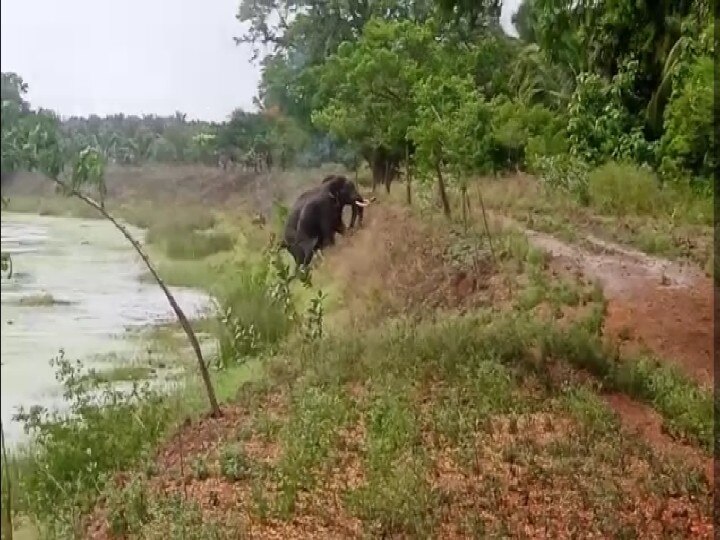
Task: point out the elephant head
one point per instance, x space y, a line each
344 191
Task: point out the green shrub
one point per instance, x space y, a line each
515 126
250 320
686 144
600 126
197 244
234 463
565 173
623 189
71 455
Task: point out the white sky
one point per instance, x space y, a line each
81 57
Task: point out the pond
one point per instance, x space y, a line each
76 286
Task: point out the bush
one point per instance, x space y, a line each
686 144
519 131
622 189
250 320
600 125
197 245
72 455
565 173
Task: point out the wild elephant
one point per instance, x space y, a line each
357 211
317 215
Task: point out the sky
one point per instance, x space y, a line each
82 57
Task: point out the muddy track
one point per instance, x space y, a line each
654 305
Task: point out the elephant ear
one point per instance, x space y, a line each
336 186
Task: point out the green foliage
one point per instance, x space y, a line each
521 133
135 510
566 173
623 189
250 321
686 143
600 127
367 84
234 463
198 244
452 124
74 453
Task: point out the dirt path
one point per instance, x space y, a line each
654 304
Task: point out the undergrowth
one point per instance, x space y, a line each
378 415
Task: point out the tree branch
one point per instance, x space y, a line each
214 408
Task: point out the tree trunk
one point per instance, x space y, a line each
7 503
214 408
383 167
487 229
408 178
356 165
443 193
463 204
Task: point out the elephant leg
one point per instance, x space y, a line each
307 248
357 216
328 233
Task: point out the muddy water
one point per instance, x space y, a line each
92 274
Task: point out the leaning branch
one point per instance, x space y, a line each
214 408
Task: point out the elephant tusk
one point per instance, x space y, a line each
363 203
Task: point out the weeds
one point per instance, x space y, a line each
73 453
307 440
619 189
687 409
234 463
199 468
250 322
134 511
195 245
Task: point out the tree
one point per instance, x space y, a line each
301 35
524 22
368 85
452 129
689 129
36 145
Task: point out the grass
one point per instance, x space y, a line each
41 300
389 421
437 425
627 205
51 206
687 410
121 374
133 510
71 458
60 473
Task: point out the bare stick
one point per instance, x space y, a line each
408 177
463 204
487 229
214 408
7 504
441 189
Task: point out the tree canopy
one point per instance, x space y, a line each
348 79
